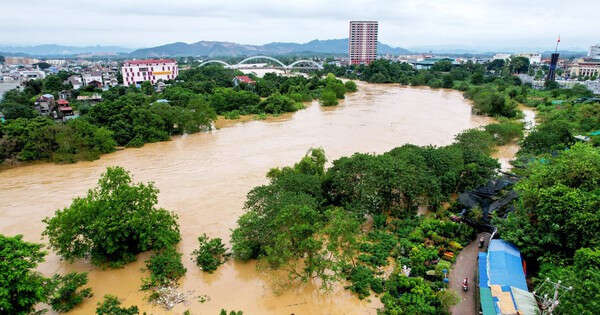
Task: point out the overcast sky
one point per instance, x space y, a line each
403 23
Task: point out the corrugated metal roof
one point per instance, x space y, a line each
525 301
483 279
504 265
487 302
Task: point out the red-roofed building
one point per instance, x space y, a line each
152 70
242 79
64 110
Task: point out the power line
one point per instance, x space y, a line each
547 299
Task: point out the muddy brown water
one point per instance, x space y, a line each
205 177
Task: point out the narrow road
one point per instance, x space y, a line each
466 266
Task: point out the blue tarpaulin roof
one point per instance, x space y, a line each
483 279
504 263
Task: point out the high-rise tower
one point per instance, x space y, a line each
362 42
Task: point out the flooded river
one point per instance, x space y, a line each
204 178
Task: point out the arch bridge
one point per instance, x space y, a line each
298 64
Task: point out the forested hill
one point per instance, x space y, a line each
211 49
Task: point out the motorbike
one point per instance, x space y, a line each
465 284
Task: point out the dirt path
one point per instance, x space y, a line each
466 266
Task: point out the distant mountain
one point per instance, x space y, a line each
227 49
58 50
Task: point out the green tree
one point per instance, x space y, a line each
350 86
443 65
557 199
211 253
584 278
113 223
21 286
328 98
548 137
519 64
112 306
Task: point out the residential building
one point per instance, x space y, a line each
56 62
45 104
502 284
75 81
28 75
501 57
242 79
94 98
362 42
93 78
64 110
594 52
151 70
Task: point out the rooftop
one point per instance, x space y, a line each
245 79
149 61
502 284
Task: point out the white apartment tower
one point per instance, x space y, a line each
362 42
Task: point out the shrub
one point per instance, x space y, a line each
211 254
112 306
65 295
234 114
350 86
328 98
505 131
165 268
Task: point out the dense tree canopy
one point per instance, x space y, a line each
114 222
558 199
21 286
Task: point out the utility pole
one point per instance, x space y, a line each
548 304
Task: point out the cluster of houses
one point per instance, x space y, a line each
59 109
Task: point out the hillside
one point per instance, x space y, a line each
213 49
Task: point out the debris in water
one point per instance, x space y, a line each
168 297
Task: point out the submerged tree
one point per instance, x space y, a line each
113 222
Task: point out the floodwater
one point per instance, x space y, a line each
507 152
205 177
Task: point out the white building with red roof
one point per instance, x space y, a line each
242 79
152 70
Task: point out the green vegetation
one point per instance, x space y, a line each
350 86
113 223
135 116
65 292
224 312
165 268
211 253
22 287
112 306
312 222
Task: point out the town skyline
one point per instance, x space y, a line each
490 25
